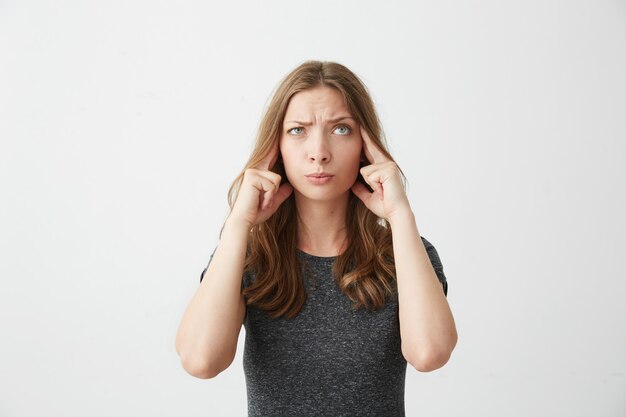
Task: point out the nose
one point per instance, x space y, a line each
319 150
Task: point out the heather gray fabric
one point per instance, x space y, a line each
329 360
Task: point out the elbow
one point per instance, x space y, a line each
198 365
202 369
195 363
429 363
428 360
205 365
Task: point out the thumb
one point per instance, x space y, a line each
361 192
283 192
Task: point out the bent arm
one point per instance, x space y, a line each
427 327
207 336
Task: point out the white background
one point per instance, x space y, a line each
123 123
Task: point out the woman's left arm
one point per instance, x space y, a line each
427 328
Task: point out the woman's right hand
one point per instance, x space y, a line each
260 193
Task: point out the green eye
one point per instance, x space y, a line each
346 130
340 130
292 129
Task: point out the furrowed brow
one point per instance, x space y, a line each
307 123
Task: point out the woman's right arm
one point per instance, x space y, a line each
207 337
209 330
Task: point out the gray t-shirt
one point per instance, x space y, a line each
330 360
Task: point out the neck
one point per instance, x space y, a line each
322 225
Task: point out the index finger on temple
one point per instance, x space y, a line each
370 149
270 159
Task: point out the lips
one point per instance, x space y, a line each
322 175
319 178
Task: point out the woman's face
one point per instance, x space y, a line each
320 137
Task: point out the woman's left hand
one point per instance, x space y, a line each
383 175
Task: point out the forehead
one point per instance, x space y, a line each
321 100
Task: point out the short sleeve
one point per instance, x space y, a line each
207 265
436 263
247 278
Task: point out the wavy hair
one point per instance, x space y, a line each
365 271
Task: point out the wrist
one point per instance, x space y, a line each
233 225
402 217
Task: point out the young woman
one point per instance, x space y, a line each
322 262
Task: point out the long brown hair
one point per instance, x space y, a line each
365 271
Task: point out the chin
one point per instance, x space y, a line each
321 194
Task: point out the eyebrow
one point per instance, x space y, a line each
336 119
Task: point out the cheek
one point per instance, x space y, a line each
355 156
358 163
351 163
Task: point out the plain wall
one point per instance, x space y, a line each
123 123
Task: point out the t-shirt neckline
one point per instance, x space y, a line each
321 258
